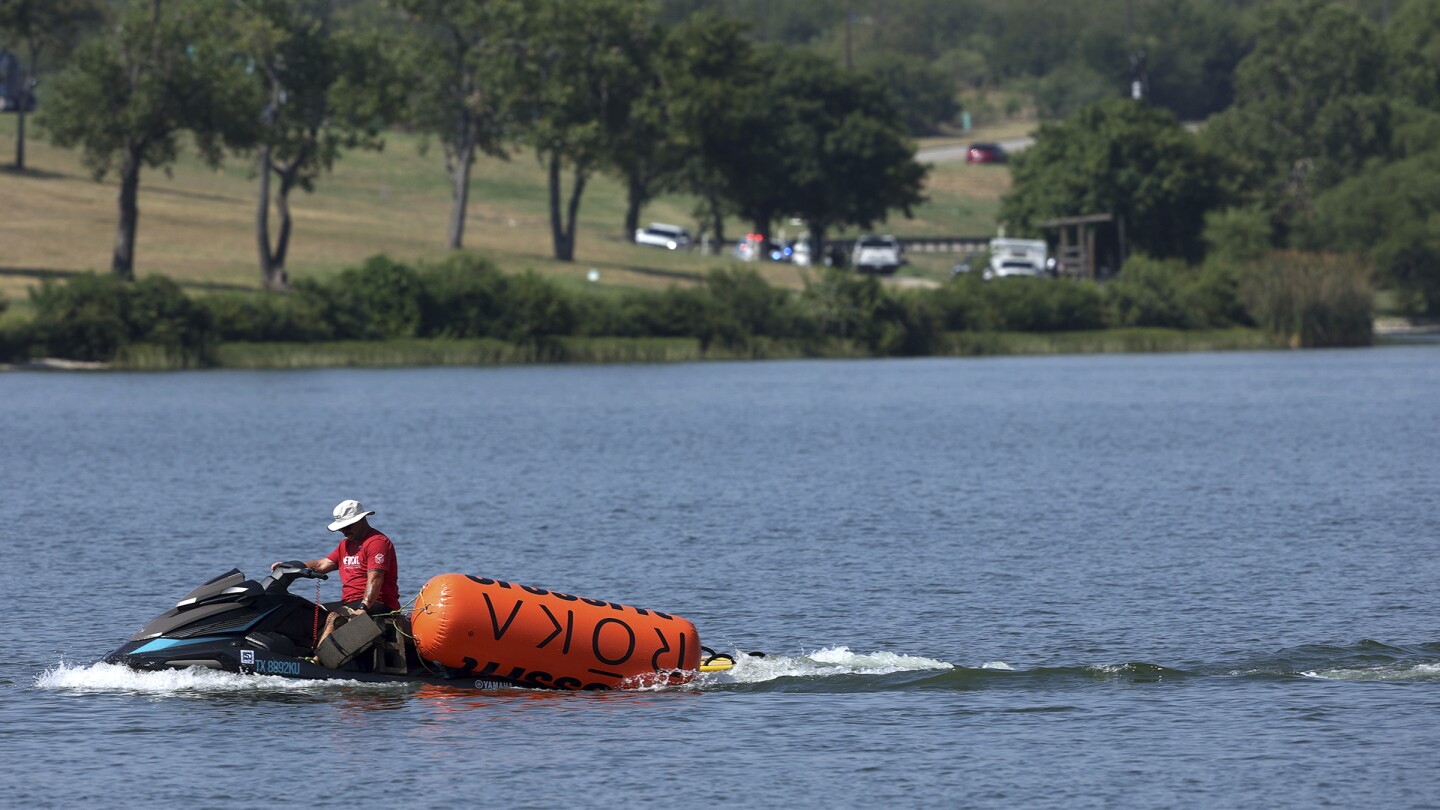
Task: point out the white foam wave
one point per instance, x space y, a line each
997 665
1416 672
826 662
115 678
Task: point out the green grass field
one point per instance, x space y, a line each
197 225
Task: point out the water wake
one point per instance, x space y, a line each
101 677
823 663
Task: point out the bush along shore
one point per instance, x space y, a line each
463 311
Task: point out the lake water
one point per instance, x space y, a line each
1158 581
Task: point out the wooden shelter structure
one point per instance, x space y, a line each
1090 246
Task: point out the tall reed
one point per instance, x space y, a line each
1311 300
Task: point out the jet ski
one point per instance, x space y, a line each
234 624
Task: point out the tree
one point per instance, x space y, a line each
643 148
1121 158
461 60
709 65
586 72
844 158
1310 107
43 26
126 99
326 91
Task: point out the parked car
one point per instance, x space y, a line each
658 234
877 254
985 153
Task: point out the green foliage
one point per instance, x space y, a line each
465 297
920 93
1237 234
1310 106
1311 300
968 303
301 315
379 299
1125 159
1391 216
537 309
94 318
742 307
1171 294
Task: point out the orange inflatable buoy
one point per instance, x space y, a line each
479 627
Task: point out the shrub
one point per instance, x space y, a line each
535 308
300 315
743 307
464 297
1311 299
1044 305
93 317
379 299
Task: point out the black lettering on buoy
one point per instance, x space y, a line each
481 580
488 670
516 674
495 620
566 683
595 642
538 678
617 676
563 596
664 615
469 666
664 648
594 602
534 590
569 629
642 611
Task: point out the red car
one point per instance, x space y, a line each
985 153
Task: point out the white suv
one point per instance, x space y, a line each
658 234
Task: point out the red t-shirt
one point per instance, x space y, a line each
357 559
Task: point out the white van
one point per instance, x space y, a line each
1016 257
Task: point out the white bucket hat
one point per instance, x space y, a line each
347 512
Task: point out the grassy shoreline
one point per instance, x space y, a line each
609 350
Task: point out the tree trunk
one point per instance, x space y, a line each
563 231
281 279
574 209
633 201
817 244
557 232
20 139
123 262
262 218
460 191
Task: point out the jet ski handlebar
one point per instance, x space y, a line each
287 572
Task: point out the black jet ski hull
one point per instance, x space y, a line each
245 658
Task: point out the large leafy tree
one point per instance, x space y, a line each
1310 107
461 59
844 156
168 68
45 28
326 90
586 75
708 67
1126 159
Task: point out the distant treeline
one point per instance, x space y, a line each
1304 299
